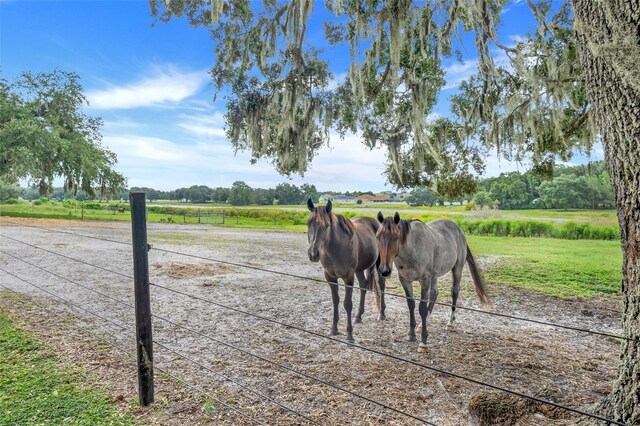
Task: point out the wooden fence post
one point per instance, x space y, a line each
144 341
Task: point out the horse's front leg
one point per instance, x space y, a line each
429 286
411 304
335 297
363 292
348 294
381 286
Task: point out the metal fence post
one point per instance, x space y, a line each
144 343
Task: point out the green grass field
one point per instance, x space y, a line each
57 210
34 390
566 269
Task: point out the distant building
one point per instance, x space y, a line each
368 198
337 199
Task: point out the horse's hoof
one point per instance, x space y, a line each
423 349
350 341
382 317
450 327
332 333
357 320
411 338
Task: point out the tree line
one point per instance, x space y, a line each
240 194
571 187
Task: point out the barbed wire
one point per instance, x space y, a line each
316 334
399 296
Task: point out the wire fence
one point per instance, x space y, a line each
268 319
317 280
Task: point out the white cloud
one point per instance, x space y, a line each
163 87
210 126
165 164
121 124
135 150
496 165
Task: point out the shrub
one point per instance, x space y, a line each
11 201
92 205
535 228
69 203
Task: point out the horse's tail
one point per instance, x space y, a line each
477 280
373 284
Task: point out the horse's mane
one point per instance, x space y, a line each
345 224
404 229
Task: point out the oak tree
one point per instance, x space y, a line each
44 134
574 80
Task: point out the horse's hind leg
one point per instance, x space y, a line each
335 297
456 274
364 284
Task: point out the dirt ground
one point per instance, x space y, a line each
567 367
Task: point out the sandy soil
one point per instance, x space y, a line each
568 367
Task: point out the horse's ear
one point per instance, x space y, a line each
396 218
380 217
329 206
310 205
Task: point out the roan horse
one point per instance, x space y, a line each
424 252
345 248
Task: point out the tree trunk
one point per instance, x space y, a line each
607 33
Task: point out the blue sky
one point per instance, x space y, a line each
150 86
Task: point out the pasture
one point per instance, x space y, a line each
294 217
569 367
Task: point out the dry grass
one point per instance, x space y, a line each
191 270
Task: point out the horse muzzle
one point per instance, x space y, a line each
314 255
385 271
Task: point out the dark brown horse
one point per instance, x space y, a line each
346 248
424 252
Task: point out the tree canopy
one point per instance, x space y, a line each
44 135
282 100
